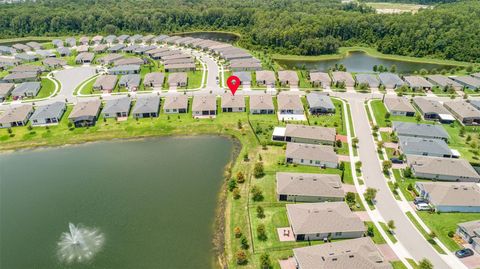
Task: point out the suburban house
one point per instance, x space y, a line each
24 68
290 104
54 62
64 51
250 64
110 58
469 82
320 103
26 57
442 169
425 147
399 106
129 61
359 253
14 116
124 69
100 48
26 89
21 47
135 38
45 54
420 130
390 80
105 83
147 106
71 41
321 221
49 114
305 134
288 78
154 79
110 39
470 232
82 49
84 40
5 90
178 79
418 83
261 104
464 112
57 43
475 103
180 67
34 45
313 155
444 82
233 103
130 81
368 79
433 110
85 113
84 57
265 78
204 105
451 196
343 77
123 38
119 107
320 79
303 187
116 48
244 76
175 104
97 39
21 77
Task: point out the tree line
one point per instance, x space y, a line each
302 27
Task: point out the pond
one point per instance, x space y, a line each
218 36
153 202
358 61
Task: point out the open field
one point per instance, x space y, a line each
395 8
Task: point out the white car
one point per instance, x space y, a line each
423 207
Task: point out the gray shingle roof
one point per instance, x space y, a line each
289 101
116 105
176 102
452 193
317 100
398 104
31 88
390 80
53 110
147 104
322 77
317 185
430 106
369 79
261 101
360 253
244 76
204 103
416 129
331 217
442 166
415 145
310 132
417 82
311 152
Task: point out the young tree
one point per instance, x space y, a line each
370 194
425 264
240 177
232 184
338 143
261 232
257 194
370 231
236 194
260 212
265 262
241 257
238 232
418 118
350 198
391 225
244 242
258 170
387 164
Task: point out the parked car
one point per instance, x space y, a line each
466 252
419 200
396 160
422 207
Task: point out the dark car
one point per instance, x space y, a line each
466 252
419 200
396 160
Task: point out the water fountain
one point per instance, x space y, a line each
79 244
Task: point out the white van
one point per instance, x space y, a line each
423 207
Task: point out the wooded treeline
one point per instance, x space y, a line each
305 27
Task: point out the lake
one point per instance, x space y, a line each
218 36
153 201
358 61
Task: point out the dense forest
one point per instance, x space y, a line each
305 27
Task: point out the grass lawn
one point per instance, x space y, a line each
442 223
303 79
424 233
88 87
194 79
398 265
387 231
403 184
47 89
377 237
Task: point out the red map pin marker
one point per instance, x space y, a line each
233 83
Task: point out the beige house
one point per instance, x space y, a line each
105 83
451 196
175 104
204 106
320 221
85 113
359 253
399 106
442 169
464 112
288 78
233 103
320 79
261 104
14 116
303 187
178 79
290 104
313 155
154 79
310 134
265 78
